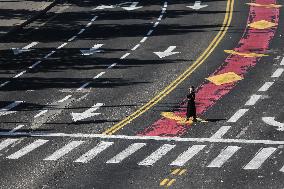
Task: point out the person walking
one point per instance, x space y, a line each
191 109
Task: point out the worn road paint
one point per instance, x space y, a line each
17 51
197 5
271 121
92 50
167 52
86 114
6 109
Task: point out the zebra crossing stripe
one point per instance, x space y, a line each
260 158
7 143
94 152
187 155
126 153
226 154
63 151
27 149
158 154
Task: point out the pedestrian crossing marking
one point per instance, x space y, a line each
224 78
7 143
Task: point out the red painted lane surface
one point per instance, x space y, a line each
253 41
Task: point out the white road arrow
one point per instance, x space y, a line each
271 121
101 7
86 114
6 109
167 52
133 6
92 50
197 5
24 49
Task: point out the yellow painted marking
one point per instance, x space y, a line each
248 55
175 171
224 78
201 59
171 182
265 6
182 172
164 182
180 120
262 24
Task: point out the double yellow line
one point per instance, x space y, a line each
183 76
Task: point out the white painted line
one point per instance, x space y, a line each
150 32
278 73
221 132
158 154
40 113
271 121
72 38
19 74
136 47
81 31
160 17
111 66
91 154
62 45
6 109
48 55
99 75
30 45
93 19
224 156
144 39
126 153
27 149
83 86
282 169
89 24
237 115
87 113
65 98
35 64
163 10
187 155
16 128
253 99
7 142
260 158
5 83
265 86
156 24
63 151
282 62
165 4
125 55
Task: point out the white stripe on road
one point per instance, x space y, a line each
89 24
136 47
282 62
18 75
265 86
99 75
150 32
160 17
126 153
48 55
93 19
27 149
35 64
111 66
91 154
5 83
187 155
81 31
278 72
30 45
144 39
253 99
164 10
65 98
260 158
72 38
156 24
165 4
221 132
158 154
125 55
7 142
62 45
83 86
237 115
224 156
40 113
16 128
6 109
63 151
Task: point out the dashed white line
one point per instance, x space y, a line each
111 66
49 54
164 10
237 115
40 113
83 86
221 132
253 99
5 83
278 73
72 38
160 17
156 24
99 75
93 19
165 4
150 32
144 39
81 31
35 64
125 55
89 24
62 45
18 75
282 62
16 128
65 98
7 142
265 86
135 47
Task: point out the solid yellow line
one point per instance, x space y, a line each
183 76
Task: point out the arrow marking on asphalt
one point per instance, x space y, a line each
197 5
6 109
133 6
92 50
167 52
86 114
17 51
102 7
271 121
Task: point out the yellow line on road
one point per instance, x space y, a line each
183 76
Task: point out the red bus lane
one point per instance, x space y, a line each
261 27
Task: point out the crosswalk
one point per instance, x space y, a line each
123 153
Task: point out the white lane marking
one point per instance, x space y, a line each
278 72
19 74
30 45
40 113
197 5
83 86
160 17
187 155
93 19
132 7
6 109
136 47
93 50
150 32
158 154
27 149
86 114
111 66
63 151
165 4
35 64
163 10
224 156
99 75
62 45
17 51
72 38
156 24
253 99
144 39
65 98
260 158
126 152
48 55
271 121
89 24
125 55
7 142
265 86
282 169
81 31
237 115
167 52
4 84
282 62
91 154
221 132
16 128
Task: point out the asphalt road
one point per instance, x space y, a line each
93 96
